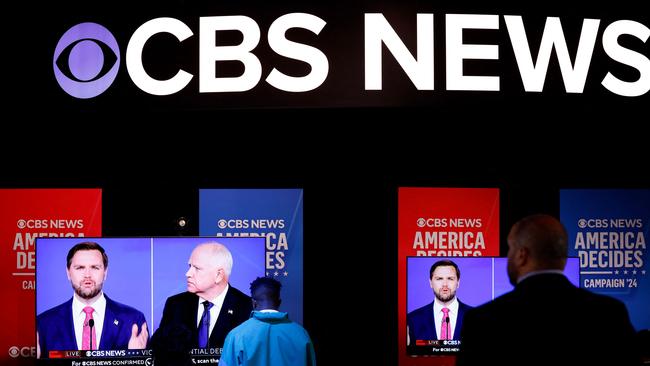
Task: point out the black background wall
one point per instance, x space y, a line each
350 207
349 150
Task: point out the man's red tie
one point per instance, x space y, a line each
444 334
86 335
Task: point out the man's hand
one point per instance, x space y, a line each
138 341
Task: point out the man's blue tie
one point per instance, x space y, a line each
204 325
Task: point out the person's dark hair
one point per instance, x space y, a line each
444 263
87 245
266 290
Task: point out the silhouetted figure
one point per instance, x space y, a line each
546 320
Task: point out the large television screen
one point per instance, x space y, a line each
481 280
142 273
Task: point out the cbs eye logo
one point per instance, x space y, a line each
86 60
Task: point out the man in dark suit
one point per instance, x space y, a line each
202 316
89 317
545 320
443 317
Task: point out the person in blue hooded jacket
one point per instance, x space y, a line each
268 337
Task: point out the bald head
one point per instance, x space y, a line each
536 242
210 265
215 254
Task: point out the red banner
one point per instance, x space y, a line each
442 222
25 215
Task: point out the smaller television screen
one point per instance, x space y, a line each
132 284
434 331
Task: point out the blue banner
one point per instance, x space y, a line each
607 231
275 214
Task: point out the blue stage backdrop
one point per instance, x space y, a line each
276 215
607 231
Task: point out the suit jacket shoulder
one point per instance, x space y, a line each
118 322
178 327
56 329
54 314
540 311
421 324
421 311
180 312
239 299
236 309
122 309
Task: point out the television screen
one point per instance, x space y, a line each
431 332
140 275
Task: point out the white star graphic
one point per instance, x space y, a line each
286 273
616 272
275 274
625 272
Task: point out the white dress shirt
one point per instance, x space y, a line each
453 315
214 311
78 318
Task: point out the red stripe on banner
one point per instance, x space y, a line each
27 214
442 222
